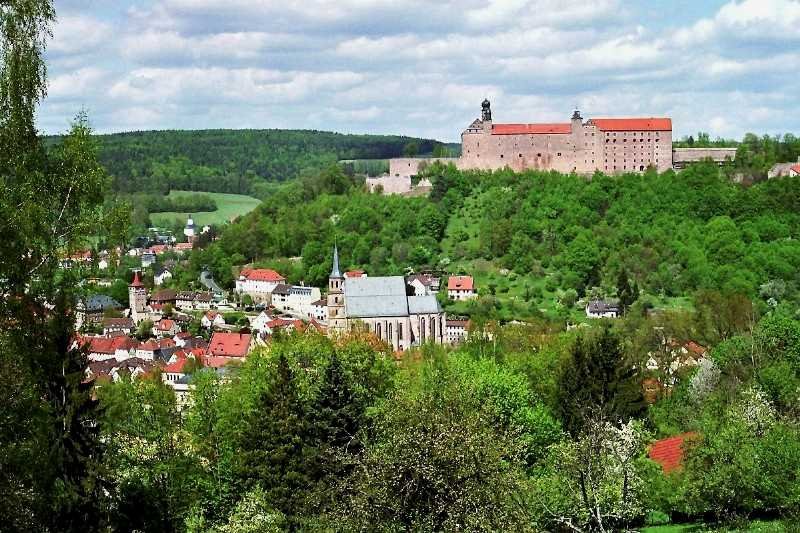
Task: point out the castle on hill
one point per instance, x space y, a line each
610 145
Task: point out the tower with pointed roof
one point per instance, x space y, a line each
137 298
337 321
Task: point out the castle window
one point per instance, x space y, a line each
624 140
606 141
390 332
538 155
400 331
641 167
559 154
501 156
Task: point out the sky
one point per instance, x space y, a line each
421 68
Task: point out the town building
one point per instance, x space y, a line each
456 331
780 170
258 283
91 309
230 345
423 284
460 287
383 305
296 299
161 276
117 325
602 309
212 319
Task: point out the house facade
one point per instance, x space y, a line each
258 283
460 287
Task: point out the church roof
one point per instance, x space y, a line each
423 305
375 296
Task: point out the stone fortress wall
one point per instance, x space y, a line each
613 146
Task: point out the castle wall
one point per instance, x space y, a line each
565 147
411 166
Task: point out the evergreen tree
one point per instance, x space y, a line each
596 378
626 293
277 451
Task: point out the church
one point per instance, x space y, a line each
387 306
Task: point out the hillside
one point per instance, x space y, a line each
540 240
234 161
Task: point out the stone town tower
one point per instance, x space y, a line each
137 298
337 321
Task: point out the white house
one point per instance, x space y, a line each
161 276
602 309
260 322
423 284
297 299
148 259
258 282
319 310
456 331
212 319
460 287
166 327
147 350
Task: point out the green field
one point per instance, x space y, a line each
229 206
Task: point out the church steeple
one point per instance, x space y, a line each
336 310
335 273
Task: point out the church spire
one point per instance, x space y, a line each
335 273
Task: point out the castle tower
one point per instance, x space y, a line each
486 115
137 298
577 122
337 321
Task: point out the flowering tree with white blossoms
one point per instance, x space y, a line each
595 482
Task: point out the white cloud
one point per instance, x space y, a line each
421 67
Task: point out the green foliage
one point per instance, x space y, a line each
232 161
435 462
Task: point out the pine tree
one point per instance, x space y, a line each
277 451
597 380
626 293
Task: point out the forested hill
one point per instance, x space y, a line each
235 161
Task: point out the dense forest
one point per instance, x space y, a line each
235 161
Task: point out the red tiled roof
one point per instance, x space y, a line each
669 452
149 346
695 349
462 283
229 344
354 273
795 168
108 345
166 342
633 124
183 246
158 248
262 274
215 362
527 129
176 367
136 281
165 324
